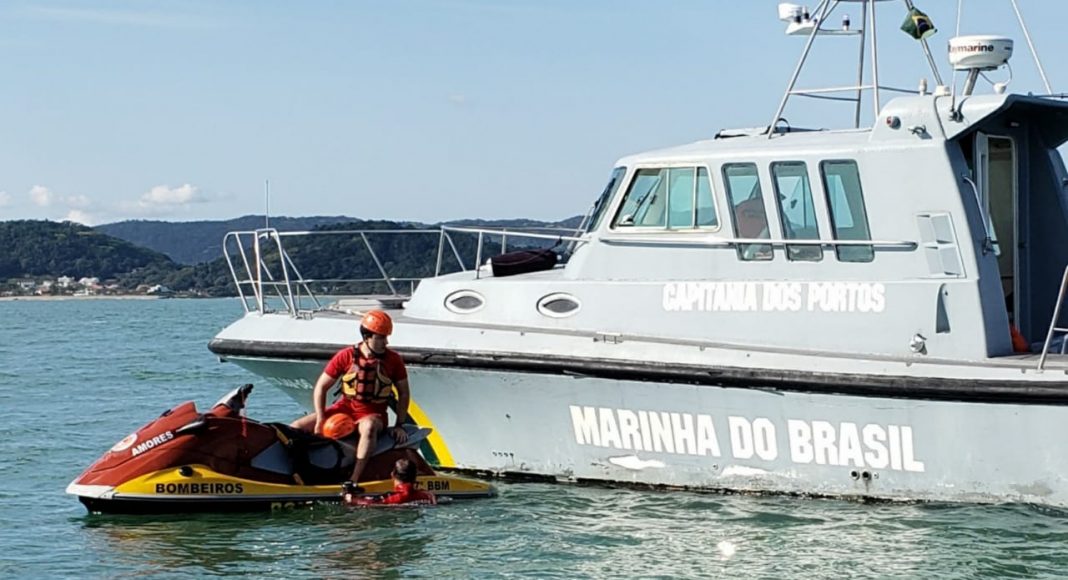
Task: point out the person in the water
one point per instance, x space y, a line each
404 490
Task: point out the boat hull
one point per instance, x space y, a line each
205 490
753 438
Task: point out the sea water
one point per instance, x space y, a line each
78 375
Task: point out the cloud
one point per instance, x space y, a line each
162 196
79 216
42 196
458 100
5 199
164 200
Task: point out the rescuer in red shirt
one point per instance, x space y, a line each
369 372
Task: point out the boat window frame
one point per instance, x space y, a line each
711 194
831 214
635 170
603 201
748 252
540 306
634 176
464 293
796 252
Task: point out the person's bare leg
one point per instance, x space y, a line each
305 423
368 427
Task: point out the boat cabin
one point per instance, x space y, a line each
943 226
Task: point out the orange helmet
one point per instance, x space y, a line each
338 426
377 322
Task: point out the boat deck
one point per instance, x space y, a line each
352 308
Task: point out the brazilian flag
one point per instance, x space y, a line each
918 25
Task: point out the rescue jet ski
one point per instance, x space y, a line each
221 460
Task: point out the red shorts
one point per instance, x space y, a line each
356 410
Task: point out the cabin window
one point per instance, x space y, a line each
681 188
849 218
675 198
606 196
646 200
464 302
706 206
747 206
558 305
797 215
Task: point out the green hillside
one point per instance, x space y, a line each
327 258
44 248
201 241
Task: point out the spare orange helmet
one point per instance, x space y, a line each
377 322
338 425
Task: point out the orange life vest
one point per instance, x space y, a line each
365 380
1019 343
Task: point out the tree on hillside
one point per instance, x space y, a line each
44 248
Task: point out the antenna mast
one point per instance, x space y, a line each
800 22
267 204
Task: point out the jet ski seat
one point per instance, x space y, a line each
316 460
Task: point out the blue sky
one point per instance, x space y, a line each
412 110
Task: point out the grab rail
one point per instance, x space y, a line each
483 233
1053 328
265 273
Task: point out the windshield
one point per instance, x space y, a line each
597 212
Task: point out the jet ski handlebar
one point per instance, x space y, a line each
233 402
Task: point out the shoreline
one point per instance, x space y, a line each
94 297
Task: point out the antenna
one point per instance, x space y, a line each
1031 45
972 54
803 22
267 204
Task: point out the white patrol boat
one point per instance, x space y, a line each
824 312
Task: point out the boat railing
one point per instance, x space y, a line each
882 245
485 236
1053 328
268 279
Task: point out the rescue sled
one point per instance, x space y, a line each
187 461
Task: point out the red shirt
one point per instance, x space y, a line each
392 367
402 493
406 493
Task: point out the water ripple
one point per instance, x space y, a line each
124 362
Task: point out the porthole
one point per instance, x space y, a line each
558 305
464 302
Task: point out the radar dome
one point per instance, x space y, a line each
979 52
